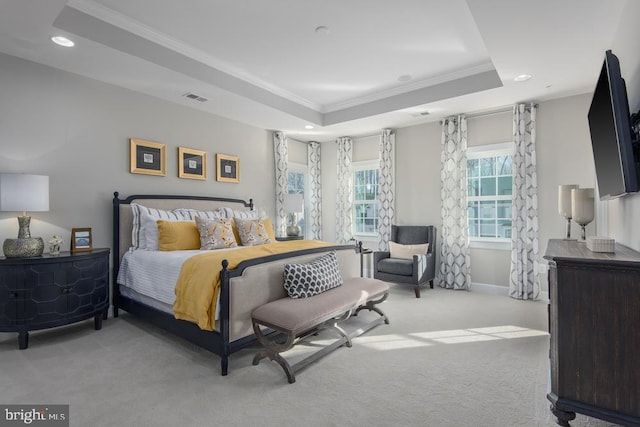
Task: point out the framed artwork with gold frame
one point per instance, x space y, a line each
81 240
228 168
147 157
192 164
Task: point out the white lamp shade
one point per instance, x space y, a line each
582 205
564 199
22 192
294 202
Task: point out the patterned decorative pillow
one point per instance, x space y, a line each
252 232
313 278
143 225
215 233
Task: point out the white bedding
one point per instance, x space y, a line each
153 274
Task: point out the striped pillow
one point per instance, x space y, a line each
140 227
232 213
192 213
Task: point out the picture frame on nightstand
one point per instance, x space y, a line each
81 240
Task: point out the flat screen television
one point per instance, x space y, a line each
611 135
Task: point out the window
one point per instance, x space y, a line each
489 182
297 178
365 198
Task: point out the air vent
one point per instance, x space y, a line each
191 95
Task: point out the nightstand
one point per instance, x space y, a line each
286 238
48 291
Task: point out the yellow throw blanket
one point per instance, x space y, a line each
198 284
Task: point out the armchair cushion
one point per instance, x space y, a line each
399 266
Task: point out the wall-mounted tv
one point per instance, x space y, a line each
611 135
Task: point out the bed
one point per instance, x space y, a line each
253 282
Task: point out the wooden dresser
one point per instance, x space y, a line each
594 322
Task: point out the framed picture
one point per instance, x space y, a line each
147 157
228 168
81 240
192 164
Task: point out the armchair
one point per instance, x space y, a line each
421 269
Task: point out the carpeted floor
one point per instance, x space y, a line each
451 358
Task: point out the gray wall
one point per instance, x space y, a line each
77 131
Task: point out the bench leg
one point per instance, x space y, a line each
273 349
333 323
371 306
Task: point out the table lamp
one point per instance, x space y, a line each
294 204
564 204
22 193
582 208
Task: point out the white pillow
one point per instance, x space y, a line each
141 228
396 250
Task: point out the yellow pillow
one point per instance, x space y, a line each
268 225
177 235
397 250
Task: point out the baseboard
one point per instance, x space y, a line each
486 288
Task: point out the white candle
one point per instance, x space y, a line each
564 199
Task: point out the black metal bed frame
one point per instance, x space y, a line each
216 341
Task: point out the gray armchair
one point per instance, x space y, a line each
416 272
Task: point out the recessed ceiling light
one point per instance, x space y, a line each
404 78
522 78
308 127
62 41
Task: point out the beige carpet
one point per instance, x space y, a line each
451 358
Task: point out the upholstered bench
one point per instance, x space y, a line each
297 318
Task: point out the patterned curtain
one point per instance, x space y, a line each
455 261
523 283
315 191
344 197
386 187
281 151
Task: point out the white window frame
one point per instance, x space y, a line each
484 151
303 169
356 167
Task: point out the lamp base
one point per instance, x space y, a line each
293 230
23 248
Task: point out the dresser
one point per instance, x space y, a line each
594 322
48 291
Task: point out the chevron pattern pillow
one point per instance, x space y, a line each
315 277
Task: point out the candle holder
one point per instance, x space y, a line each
582 209
564 205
